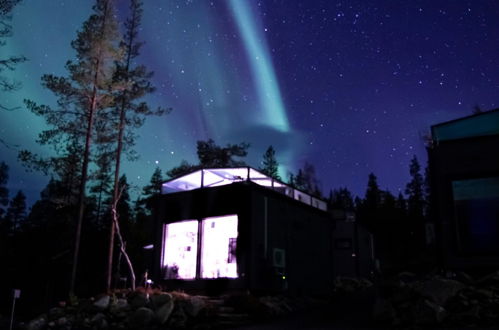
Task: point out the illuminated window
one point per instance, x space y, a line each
180 249
218 247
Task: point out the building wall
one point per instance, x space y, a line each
302 233
459 160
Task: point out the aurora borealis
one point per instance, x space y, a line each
351 87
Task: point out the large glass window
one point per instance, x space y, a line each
218 247
476 205
218 239
180 249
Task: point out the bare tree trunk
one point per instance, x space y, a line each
120 239
83 184
119 148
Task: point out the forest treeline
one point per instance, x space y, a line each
37 244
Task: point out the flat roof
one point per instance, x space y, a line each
481 124
214 177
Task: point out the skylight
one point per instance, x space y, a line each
213 177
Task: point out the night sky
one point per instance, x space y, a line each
351 87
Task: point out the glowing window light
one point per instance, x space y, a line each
180 249
218 247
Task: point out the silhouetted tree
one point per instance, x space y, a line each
368 209
341 199
182 169
16 212
211 155
4 191
135 82
270 164
8 63
152 189
415 206
83 96
306 180
414 191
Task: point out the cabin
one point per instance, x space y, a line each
464 169
237 228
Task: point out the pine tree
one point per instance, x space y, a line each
152 189
270 164
211 155
341 199
16 212
8 63
307 181
83 97
414 191
373 193
369 208
4 191
415 207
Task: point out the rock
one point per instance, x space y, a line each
137 299
158 300
490 279
464 278
439 290
141 318
164 312
119 308
383 311
406 277
55 313
178 319
402 294
99 321
194 305
428 313
37 324
103 302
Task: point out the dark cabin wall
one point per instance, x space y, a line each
456 160
305 233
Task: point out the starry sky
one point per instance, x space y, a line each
349 86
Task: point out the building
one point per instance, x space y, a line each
353 251
464 169
238 228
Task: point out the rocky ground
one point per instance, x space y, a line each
404 301
455 300
165 310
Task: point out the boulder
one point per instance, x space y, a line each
383 311
158 300
428 313
141 318
99 321
37 324
137 299
464 278
103 302
439 290
163 313
194 305
177 319
55 313
490 280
